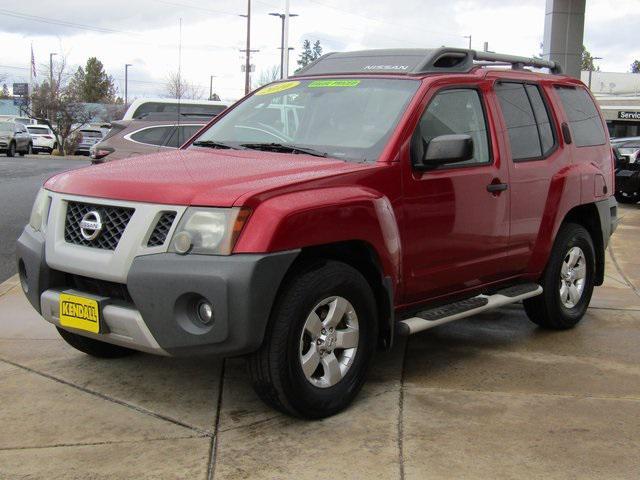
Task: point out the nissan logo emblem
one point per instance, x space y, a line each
91 225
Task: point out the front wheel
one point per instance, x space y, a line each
319 343
568 281
11 152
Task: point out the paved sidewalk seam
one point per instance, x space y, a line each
136 408
9 285
400 439
93 444
524 393
213 448
622 274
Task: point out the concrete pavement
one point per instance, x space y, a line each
487 397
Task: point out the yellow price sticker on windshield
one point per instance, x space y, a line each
277 87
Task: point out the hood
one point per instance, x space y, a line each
199 177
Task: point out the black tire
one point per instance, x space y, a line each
276 370
94 347
11 152
547 310
628 198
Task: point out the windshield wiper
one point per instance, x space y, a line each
212 144
280 147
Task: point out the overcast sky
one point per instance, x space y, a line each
145 33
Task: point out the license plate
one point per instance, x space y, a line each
79 312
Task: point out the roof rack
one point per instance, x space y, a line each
418 61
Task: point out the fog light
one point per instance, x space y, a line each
205 312
182 242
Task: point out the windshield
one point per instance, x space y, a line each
350 119
38 130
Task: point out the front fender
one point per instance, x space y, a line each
323 216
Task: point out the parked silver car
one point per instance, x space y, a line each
88 138
14 138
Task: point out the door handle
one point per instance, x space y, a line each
497 187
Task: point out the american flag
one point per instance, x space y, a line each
33 64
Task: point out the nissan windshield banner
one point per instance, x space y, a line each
629 115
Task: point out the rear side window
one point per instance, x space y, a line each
584 119
181 135
151 135
520 120
541 113
38 130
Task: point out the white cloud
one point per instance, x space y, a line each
213 33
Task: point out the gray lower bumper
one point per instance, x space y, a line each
164 289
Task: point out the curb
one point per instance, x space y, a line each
8 285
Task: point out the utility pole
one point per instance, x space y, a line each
285 44
51 70
126 85
282 50
591 69
469 37
211 87
247 64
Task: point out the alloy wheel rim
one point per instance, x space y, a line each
573 276
329 342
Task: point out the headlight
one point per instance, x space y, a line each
212 231
39 211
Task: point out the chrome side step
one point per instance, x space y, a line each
465 308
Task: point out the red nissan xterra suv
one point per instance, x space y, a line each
374 193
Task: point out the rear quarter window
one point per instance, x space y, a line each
582 114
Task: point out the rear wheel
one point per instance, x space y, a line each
568 281
94 347
319 344
11 152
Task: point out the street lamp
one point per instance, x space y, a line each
591 69
126 84
469 37
51 70
282 17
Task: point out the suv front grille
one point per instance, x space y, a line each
114 221
160 232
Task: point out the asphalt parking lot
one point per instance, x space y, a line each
20 179
488 397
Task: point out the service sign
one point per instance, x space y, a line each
629 115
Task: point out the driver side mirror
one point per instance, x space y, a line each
446 149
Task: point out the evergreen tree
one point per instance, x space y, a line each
92 84
5 91
635 66
309 53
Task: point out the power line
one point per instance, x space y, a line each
64 23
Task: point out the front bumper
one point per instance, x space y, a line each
158 314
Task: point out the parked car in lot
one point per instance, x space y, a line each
142 107
627 147
130 138
42 138
410 188
14 138
89 136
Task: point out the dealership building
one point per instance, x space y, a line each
619 97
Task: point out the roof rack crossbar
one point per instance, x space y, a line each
517 62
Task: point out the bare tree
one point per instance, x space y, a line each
58 105
268 75
177 87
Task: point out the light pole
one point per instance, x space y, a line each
211 77
126 84
469 37
283 17
51 69
591 69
